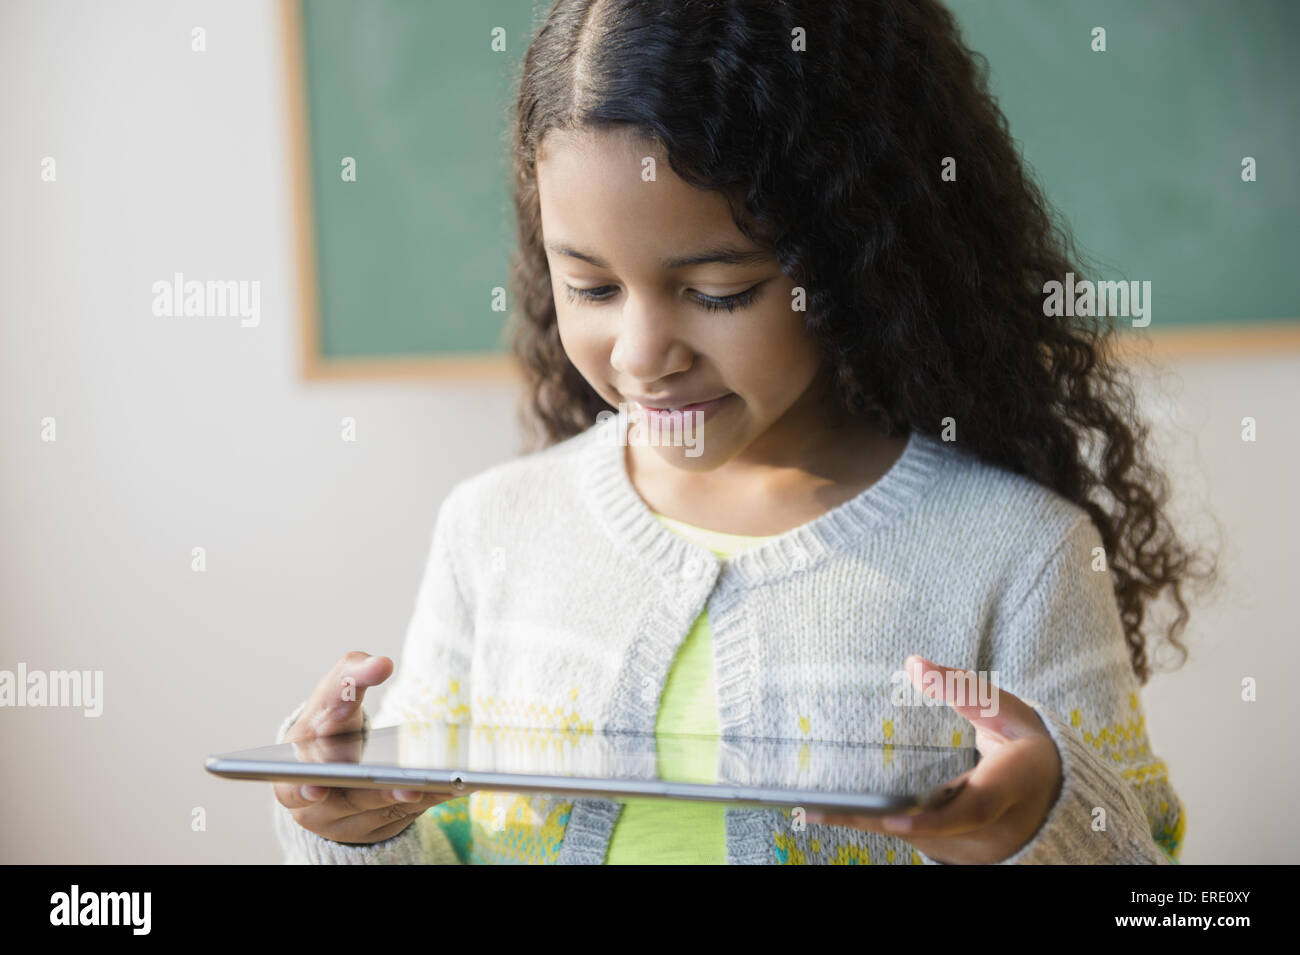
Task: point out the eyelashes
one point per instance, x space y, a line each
709 302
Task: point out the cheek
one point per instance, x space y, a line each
796 344
777 339
575 337
569 340
583 349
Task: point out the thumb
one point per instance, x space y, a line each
335 706
975 698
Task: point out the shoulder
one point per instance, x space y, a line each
532 484
1006 517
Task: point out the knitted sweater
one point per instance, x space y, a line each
552 597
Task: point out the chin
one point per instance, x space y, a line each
704 456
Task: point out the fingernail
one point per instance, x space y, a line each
311 793
368 660
404 795
897 823
814 817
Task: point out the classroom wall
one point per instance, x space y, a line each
176 433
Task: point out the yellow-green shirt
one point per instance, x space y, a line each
678 831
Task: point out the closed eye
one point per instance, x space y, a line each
712 303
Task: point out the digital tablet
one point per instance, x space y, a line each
459 758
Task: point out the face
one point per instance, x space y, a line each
641 327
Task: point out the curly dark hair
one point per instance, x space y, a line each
924 296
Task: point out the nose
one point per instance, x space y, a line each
647 347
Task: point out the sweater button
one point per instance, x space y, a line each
692 568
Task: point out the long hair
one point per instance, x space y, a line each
924 296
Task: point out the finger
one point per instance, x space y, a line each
366 800
298 795
393 829
982 796
991 710
942 795
387 832
362 827
339 695
335 705
851 820
345 748
350 799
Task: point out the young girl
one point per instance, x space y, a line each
804 226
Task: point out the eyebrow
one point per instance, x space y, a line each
719 255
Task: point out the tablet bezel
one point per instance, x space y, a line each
458 782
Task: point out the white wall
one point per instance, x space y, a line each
176 433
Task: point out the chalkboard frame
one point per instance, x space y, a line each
1262 337
313 364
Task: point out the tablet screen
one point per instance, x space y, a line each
462 757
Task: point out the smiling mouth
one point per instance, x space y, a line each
701 406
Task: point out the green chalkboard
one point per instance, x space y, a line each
407 256
1139 148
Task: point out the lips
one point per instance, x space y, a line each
677 404
691 406
694 413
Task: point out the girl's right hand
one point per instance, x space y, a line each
348 816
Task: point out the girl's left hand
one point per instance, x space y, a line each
1001 803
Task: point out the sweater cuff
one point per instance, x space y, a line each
1067 836
411 846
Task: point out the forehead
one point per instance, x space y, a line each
593 183
589 146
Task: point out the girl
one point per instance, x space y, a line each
804 227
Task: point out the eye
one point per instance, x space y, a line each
712 303
729 302
588 294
